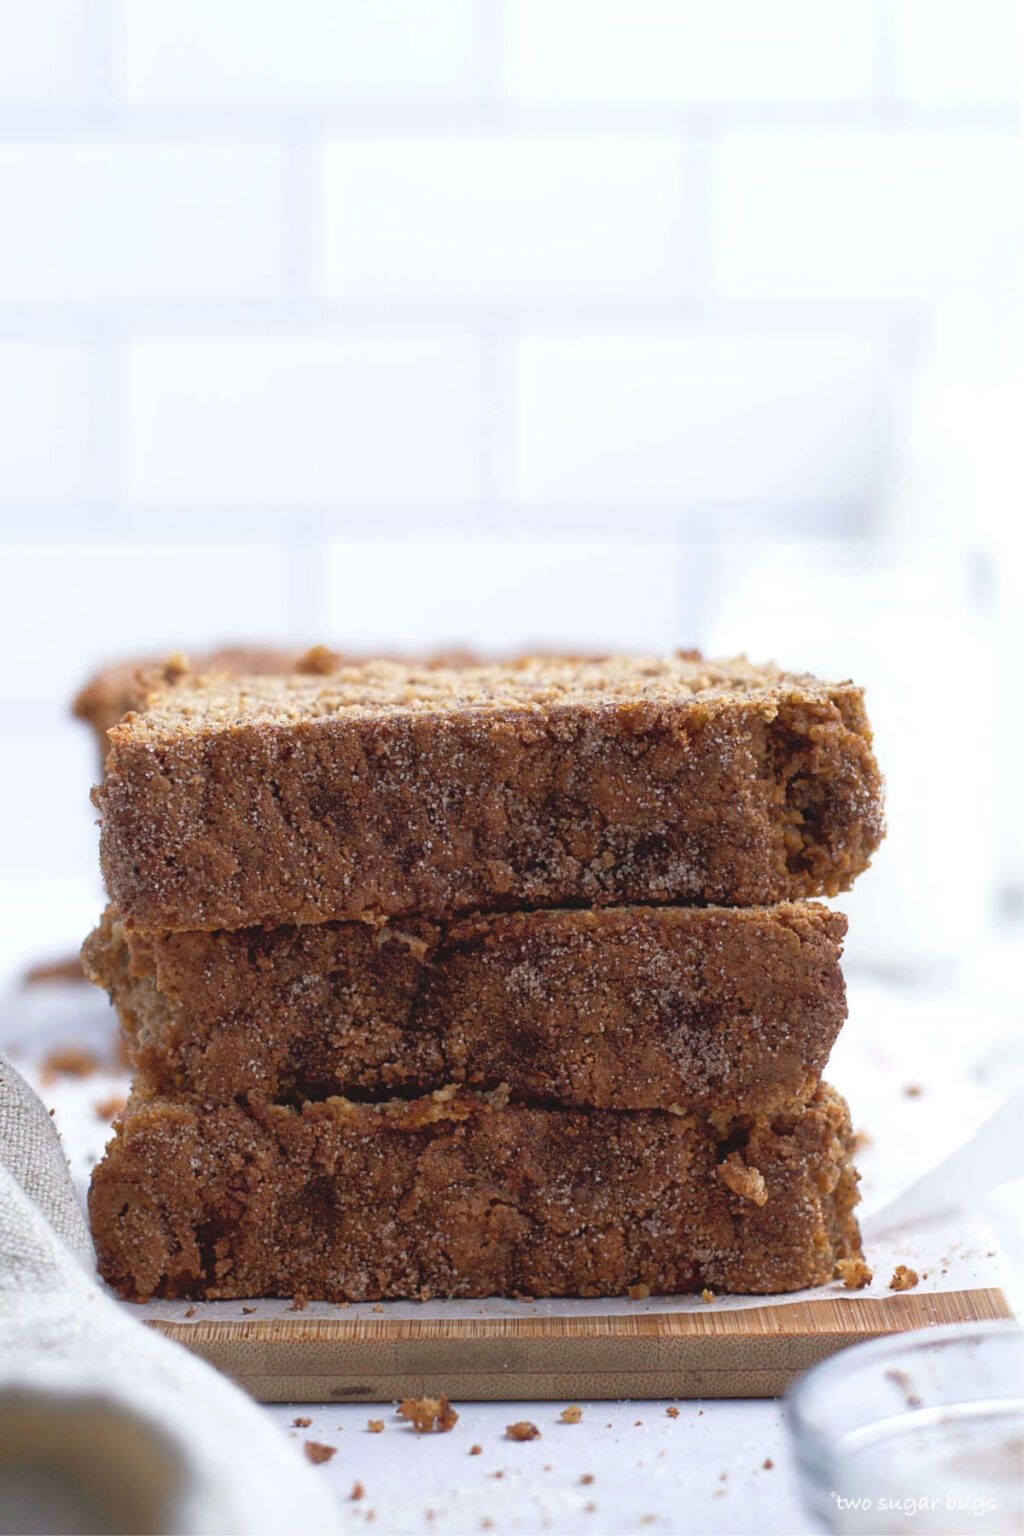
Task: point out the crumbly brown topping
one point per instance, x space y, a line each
854 1274
903 1278
744 1181
391 687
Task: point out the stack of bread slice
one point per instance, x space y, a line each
499 980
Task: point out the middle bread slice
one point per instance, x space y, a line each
709 1009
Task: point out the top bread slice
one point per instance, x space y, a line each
386 790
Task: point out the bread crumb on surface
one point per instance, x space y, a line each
301 1423
707 1296
672 1412
191 1312
358 1491
746 1182
903 1278
317 1453
572 1414
298 1304
854 1274
767 1464
427 1414
106 1109
68 969
913 1091
522 1430
475 1450
248 1311
375 1426
588 1477
67 1061
639 1292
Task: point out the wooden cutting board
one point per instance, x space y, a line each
746 1352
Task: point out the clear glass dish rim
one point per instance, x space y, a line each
814 1442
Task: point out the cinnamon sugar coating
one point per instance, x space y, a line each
717 1009
462 1195
123 685
389 790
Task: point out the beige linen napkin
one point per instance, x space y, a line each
104 1425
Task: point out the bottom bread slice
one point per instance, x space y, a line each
460 1194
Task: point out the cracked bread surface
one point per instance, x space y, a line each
460 1194
715 1009
390 790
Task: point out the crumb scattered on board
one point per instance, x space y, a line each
358 1491
854 1274
375 1426
767 1464
903 1278
587 1478
707 1296
522 1430
475 1450
672 1412
427 1414
913 1091
299 1304
571 1415
301 1423
317 1453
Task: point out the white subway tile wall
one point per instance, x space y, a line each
486 320
42 52
508 220
736 52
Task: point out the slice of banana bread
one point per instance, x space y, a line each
388 790
462 1195
710 1008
